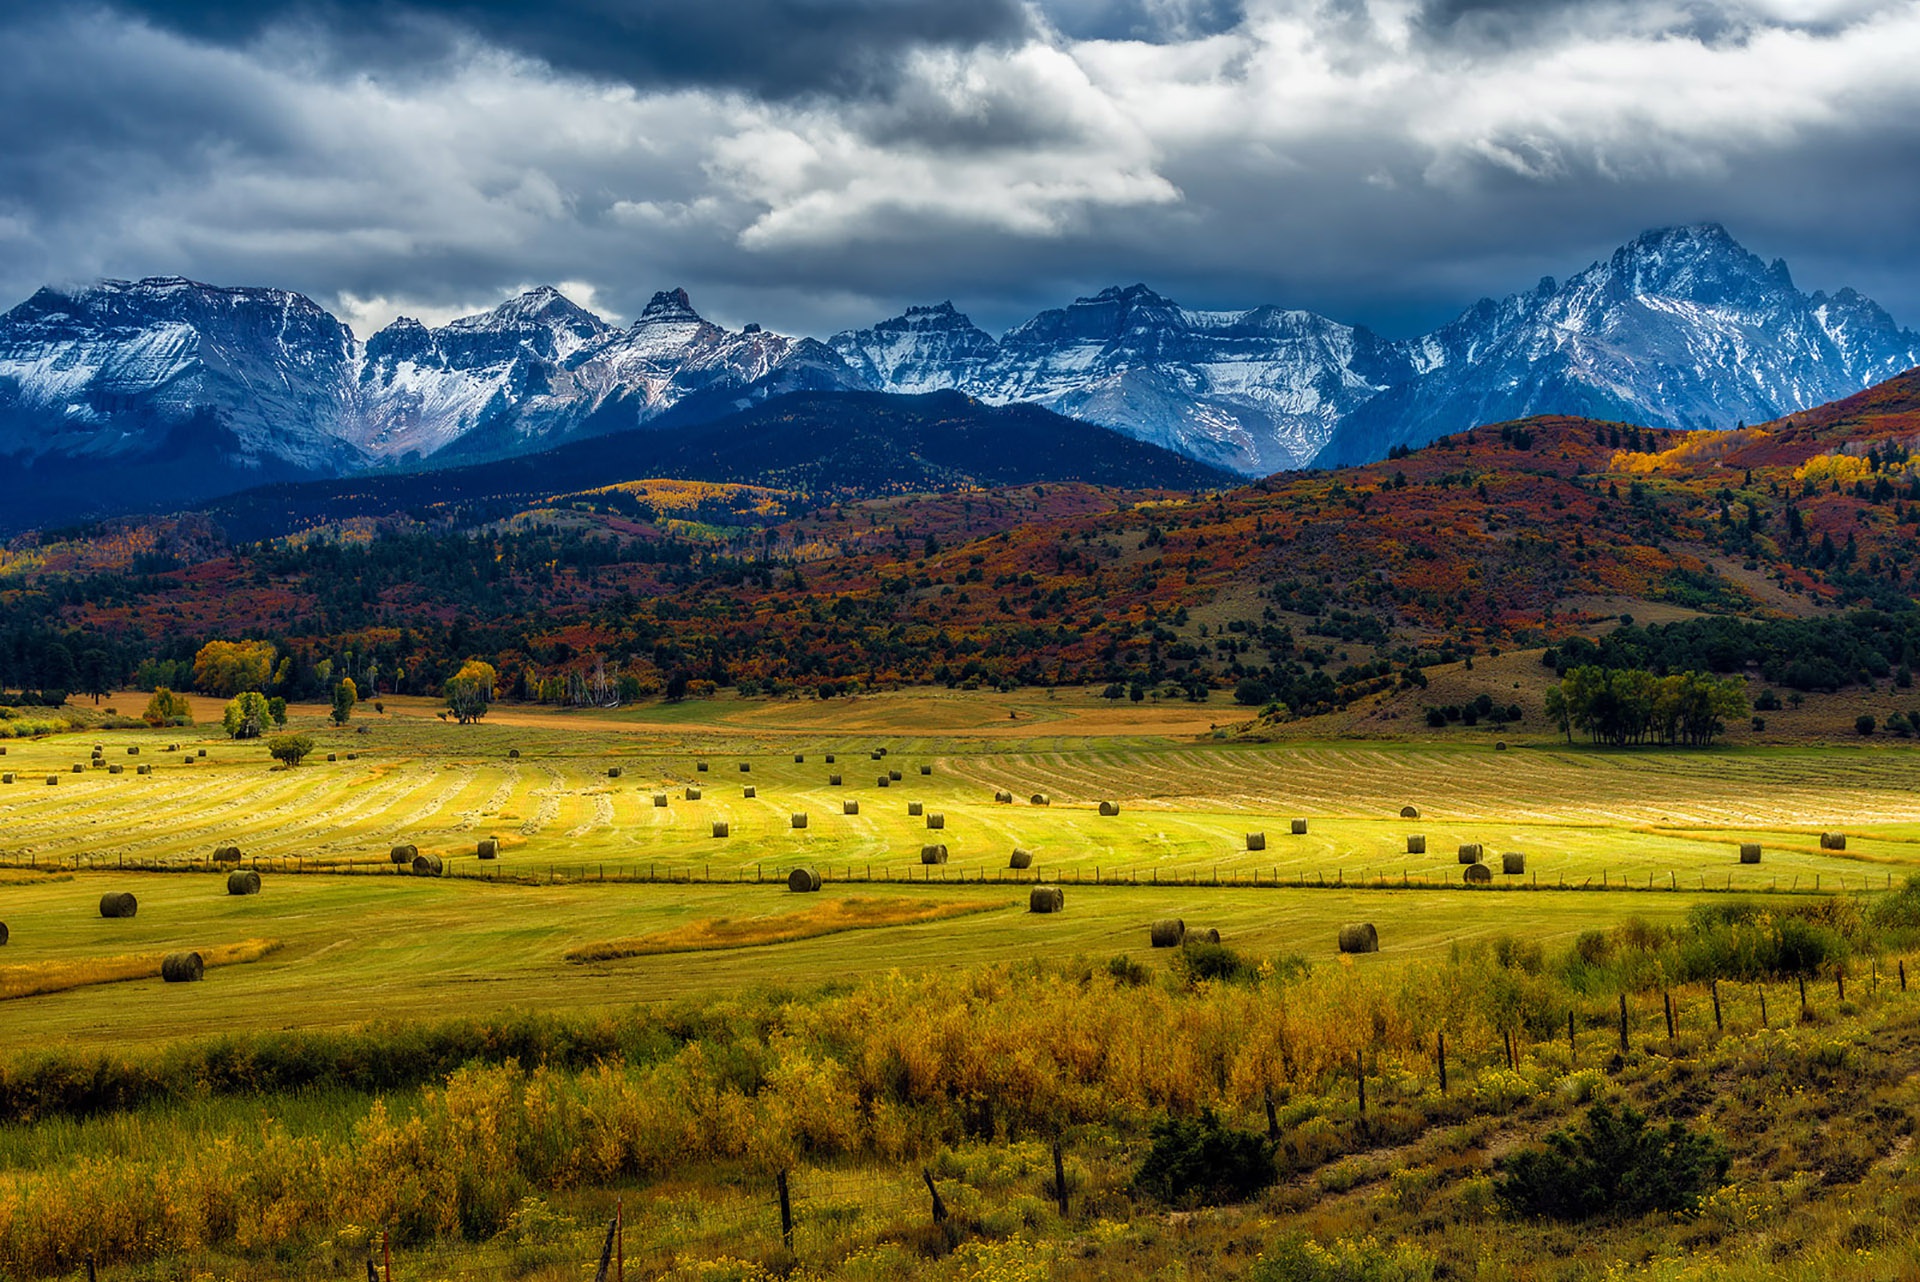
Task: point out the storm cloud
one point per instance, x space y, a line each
810 164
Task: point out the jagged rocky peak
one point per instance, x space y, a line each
669 307
1699 262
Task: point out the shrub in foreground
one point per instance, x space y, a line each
1204 1161
1616 1165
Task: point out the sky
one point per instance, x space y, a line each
814 165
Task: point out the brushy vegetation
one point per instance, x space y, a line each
1614 1165
1203 1161
463 1123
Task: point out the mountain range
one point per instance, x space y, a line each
165 391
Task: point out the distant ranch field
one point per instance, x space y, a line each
603 837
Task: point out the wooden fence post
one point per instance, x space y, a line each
1443 1063
1360 1075
1573 1048
1714 987
1903 974
1666 1001
1060 1177
606 1253
939 1207
1803 997
620 1239
1623 1024
786 1211
1763 1007
386 1254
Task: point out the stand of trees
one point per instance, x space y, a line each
1626 706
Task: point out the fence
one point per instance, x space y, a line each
868 872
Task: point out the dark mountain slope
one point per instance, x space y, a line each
826 444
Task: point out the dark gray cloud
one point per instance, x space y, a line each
773 47
814 165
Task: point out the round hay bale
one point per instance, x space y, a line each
1749 852
3 934
133 750
879 753
9 778
78 768
915 809
118 903
659 799
849 807
799 757
1046 899
488 848
1020 858
1833 841
427 866
116 770
1472 852
800 820
1477 875
693 794
173 747
746 767
936 820
243 881
833 781
331 757
513 754
1500 745
232 855
1256 841
1211 935
1297 827
1040 799
613 772
142 769
3 749
1359 937
53 781
201 753
353 756
1409 812
802 880
1004 798
1168 932
719 827
182 968
936 854
1109 808
700 766
894 775
1416 845
748 792
926 770
829 758
882 782
403 854
1513 862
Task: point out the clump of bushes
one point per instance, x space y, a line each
1199 960
1298 1258
1204 1161
1736 940
1614 1166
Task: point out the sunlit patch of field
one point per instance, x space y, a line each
833 917
35 978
